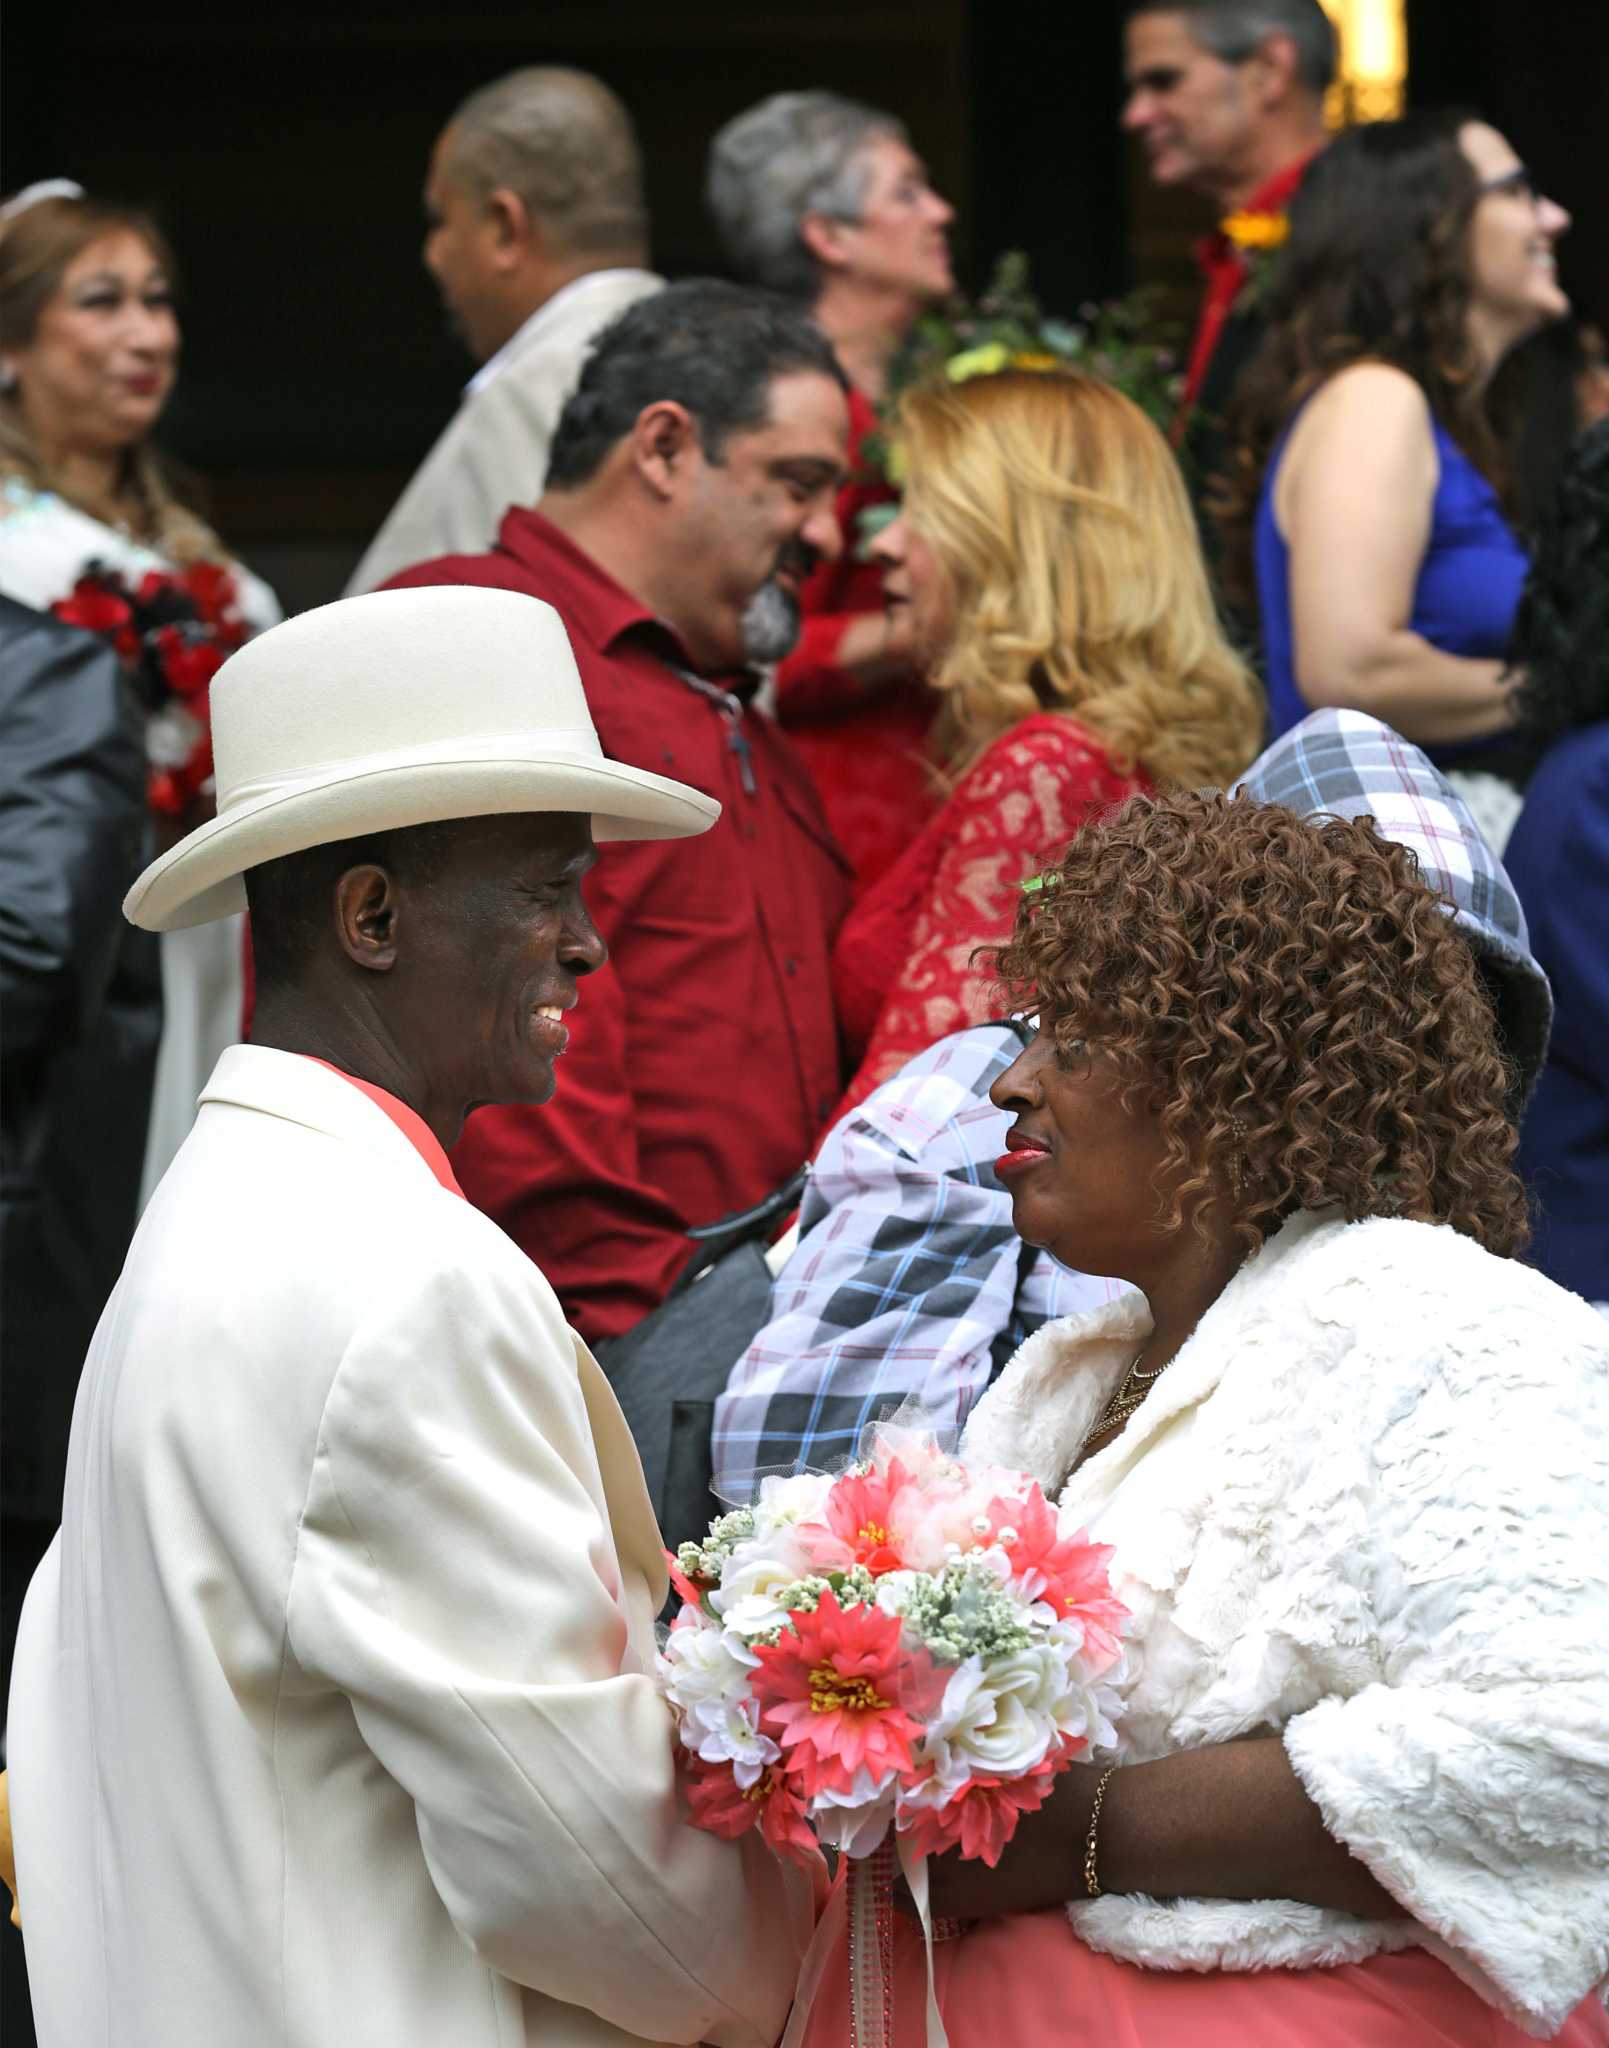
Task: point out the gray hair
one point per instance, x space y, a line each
793 154
563 143
1232 29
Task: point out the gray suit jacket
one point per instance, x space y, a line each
494 451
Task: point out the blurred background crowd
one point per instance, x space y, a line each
918 561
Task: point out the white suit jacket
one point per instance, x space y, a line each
493 452
332 1721
1367 1506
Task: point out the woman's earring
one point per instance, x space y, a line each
8 376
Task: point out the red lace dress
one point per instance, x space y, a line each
863 747
902 967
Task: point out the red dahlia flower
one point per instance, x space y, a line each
1067 1572
860 1522
982 1818
840 1693
723 1807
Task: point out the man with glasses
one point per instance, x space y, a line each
1227 98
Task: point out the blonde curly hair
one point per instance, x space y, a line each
1060 521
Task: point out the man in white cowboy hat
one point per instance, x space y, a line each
333 1718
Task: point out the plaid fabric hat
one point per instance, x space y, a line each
1347 765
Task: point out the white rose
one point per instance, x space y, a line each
1080 1708
856 1820
747 1598
728 1732
782 1503
701 1663
996 1718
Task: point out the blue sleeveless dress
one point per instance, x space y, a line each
1464 601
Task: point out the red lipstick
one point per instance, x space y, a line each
1021 1152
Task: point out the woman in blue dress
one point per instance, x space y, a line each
1366 506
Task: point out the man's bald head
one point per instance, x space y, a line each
563 144
534 182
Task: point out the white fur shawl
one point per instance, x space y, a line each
1367 1505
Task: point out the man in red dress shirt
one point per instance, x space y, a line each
1227 97
690 492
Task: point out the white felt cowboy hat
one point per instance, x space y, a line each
395 709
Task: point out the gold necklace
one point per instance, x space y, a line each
1132 1390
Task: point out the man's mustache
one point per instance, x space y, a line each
795 558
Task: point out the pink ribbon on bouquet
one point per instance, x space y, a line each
863 1908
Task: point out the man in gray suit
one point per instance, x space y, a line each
538 237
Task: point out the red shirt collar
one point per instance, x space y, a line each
412 1126
590 601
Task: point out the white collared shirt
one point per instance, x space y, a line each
533 328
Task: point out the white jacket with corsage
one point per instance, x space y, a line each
1367 1505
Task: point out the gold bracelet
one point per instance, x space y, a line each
1092 1883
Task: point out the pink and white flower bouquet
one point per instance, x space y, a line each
903 1656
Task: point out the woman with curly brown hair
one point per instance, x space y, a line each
1364 507
1051 568
1350 1454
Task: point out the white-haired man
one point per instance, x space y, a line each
537 237
333 1718
824 200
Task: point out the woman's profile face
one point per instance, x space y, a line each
916 584
1082 1170
100 366
1510 245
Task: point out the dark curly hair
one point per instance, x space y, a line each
713 347
1560 642
1294 1003
1377 269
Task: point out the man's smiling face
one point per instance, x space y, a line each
758 519
1192 111
491 942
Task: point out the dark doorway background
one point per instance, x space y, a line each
283 146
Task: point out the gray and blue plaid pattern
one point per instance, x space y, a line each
908 1279
1348 765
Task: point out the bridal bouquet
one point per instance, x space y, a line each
173 629
904 1656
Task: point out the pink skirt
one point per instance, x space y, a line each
1029 1982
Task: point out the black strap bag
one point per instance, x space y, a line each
668 1372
